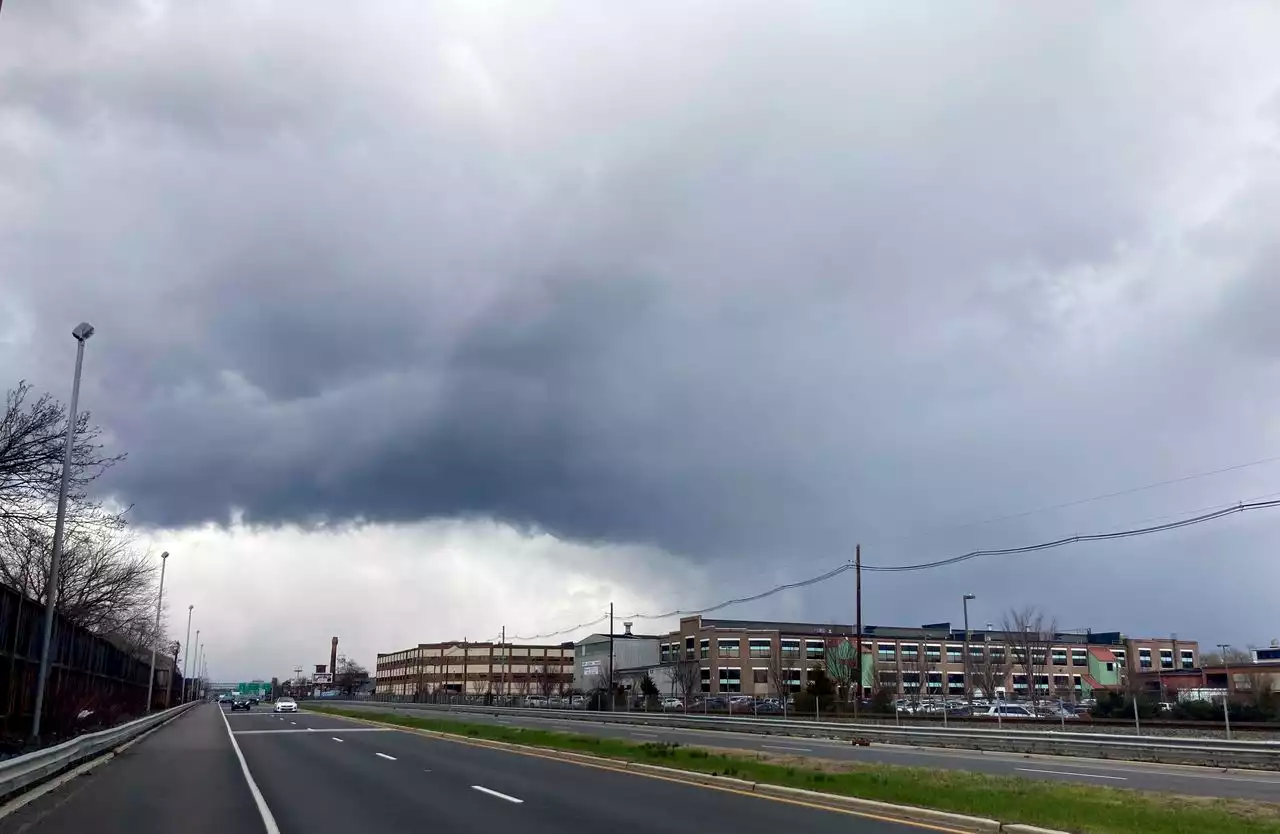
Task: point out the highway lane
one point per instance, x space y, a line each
1194 781
317 774
323 774
183 778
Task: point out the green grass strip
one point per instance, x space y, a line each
1079 808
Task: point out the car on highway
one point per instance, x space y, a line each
286 704
241 703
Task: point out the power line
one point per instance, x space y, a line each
1090 537
1102 497
1201 518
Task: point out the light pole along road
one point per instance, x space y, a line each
82 333
164 559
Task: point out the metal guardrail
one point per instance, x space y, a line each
23 771
1264 755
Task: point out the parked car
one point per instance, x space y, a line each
1005 710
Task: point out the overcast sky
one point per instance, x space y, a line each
419 319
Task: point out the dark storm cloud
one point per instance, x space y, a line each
754 285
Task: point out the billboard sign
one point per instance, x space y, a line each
322 677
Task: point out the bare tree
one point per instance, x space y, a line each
922 666
779 676
349 675
992 670
840 665
1030 636
32 443
546 678
686 676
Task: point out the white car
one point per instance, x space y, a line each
286 705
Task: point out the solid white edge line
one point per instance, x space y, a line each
483 789
268 821
1070 773
385 756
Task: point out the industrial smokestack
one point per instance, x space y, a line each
333 657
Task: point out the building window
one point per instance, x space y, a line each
955 683
935 682
933 653
706 679
955 654
704 649
814 649
1059 682
1020 683
1039 657
886 651
730 679
1121 657
793 679
729 648
665 653
759 675
1077 683
1188 659
1144 658
688 648
1079 657
760 647
910 681
910 651
1059 657
1166 658
997 654
976 651
889 680
1042 682
790 648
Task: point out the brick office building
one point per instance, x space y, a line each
468 668
763 658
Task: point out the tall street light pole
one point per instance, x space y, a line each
164 560
186 654
195 666
968 685
1226 693
82 333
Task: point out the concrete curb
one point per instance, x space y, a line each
872 807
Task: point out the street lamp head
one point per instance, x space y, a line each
164 555
970 596
83 331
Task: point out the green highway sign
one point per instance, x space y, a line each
253 689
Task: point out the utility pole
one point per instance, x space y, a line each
504 662
968 684
611 657
857 649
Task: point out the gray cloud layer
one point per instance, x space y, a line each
749 284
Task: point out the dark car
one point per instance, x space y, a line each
253 702
241 703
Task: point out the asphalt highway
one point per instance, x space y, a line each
1194 781
315 774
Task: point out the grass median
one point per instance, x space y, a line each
1078 808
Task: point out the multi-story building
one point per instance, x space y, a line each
468 668
764 658
630 651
